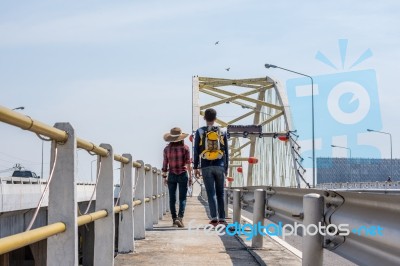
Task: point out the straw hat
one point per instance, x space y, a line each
175 135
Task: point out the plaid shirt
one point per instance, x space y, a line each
175 159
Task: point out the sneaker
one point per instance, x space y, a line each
223 222
174 222
179 222
214 222
231 229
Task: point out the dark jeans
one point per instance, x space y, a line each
214 178
173 182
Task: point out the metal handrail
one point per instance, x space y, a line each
23 239
91 217
137 203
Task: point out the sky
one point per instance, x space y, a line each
121 72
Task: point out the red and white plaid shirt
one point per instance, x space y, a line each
176 157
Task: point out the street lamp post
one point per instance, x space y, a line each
91 169
336 146
391 149
312 114
41 170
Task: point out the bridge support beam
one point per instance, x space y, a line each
62 249
105 228
313 207
155 193
139 211
149 194
125 227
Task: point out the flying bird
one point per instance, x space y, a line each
217 42
227 69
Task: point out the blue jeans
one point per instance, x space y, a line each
214 178
173 182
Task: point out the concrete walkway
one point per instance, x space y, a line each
167 245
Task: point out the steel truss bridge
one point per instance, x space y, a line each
255 101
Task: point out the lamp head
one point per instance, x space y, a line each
270 66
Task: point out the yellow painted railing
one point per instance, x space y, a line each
20 240
91 217
136 202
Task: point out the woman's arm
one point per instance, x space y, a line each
165 163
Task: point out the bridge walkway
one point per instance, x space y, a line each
168 245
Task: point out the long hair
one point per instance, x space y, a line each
178 143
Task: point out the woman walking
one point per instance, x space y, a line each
176 169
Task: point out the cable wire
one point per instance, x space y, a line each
121 185
44 192
95 187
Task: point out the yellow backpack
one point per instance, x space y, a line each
211 143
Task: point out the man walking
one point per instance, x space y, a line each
211 155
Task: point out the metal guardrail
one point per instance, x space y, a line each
21 180
363 212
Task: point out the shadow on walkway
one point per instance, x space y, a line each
234 245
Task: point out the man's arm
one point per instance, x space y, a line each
196 157
187 159
196 150
226 151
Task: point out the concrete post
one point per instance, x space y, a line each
125 227
155 192
62 249
160 192
149 194
139 211
104 229
313 207
226 202
237 206
258 216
